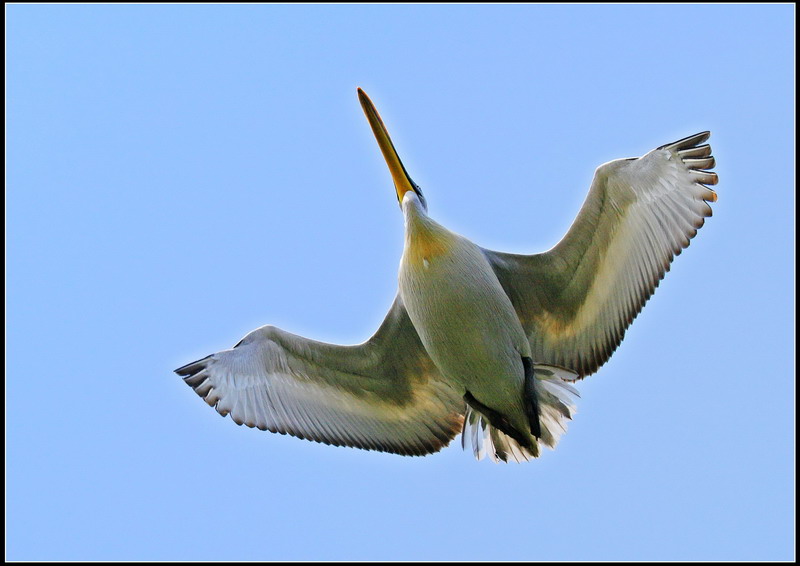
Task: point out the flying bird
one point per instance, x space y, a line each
479 342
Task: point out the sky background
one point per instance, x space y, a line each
180 175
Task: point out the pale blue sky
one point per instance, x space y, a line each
179 175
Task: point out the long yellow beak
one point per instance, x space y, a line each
402 182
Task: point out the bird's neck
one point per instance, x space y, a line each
425 238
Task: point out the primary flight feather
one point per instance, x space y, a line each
479 342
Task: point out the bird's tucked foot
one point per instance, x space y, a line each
531 399
497 420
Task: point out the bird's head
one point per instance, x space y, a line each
402 181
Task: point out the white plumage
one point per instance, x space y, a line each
477 341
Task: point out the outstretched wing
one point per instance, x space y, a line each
577 300
385 394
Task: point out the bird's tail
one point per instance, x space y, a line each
556 405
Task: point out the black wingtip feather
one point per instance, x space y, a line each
192 368
696 152
688 142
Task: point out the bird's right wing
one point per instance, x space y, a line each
385 394
577 300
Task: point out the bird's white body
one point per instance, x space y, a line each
465 320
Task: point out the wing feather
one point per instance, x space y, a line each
385 394
577 300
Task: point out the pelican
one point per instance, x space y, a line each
479 342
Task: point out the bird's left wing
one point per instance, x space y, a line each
385 394
576 301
